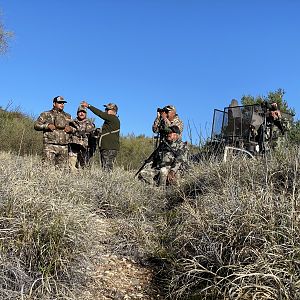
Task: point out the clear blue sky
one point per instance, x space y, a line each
144 54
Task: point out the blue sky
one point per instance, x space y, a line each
144 54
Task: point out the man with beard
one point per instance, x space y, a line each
56 128
79 144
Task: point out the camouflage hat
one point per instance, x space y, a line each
169 108
59 99
111 106
81 108
174 129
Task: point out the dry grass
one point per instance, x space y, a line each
51 234
236 234
228 231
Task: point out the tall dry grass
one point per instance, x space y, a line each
51 234
236 233
227 231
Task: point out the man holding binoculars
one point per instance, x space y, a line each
165 118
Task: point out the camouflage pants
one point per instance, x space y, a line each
156 176
55 154
108 158
78 157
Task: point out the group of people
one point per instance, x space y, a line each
72 142
68 141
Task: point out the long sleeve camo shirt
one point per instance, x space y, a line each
82 130
60 119
163 125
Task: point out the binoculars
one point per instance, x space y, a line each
160 110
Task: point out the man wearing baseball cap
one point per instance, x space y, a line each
109 142
56 128
79 142
167 117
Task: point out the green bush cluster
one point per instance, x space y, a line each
134 150
17 134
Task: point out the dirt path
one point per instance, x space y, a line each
118 278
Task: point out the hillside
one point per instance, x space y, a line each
228 231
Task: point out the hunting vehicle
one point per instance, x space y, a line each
250 130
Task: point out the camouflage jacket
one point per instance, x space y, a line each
60 119
162 126
83 128
172 154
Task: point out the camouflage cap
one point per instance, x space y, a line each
59 99
169 108
111 106
174 129
81 108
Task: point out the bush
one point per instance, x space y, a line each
134 150
17 134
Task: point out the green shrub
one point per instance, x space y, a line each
134 150
17 134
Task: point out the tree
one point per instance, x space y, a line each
294 133
276 96
4 37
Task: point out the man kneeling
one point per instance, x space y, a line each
167 160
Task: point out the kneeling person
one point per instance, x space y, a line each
167 161
79 144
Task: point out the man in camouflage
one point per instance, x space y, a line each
165 118
109 143
168 160
56 128
79 142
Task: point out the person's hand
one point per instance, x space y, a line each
51 127
68 129
84 104
164 115
275 114
171 178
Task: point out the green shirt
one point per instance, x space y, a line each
109 139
